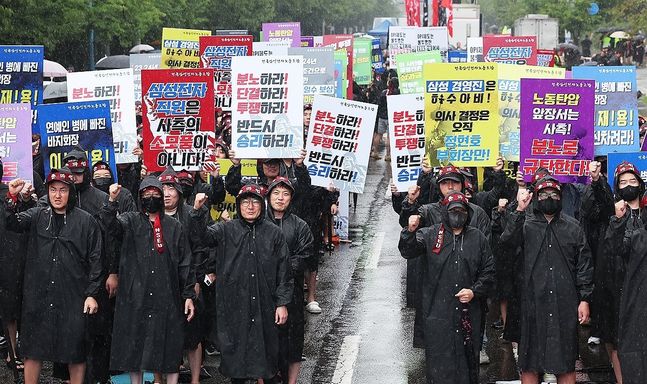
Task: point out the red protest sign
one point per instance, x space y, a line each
521 50
216 53
179 119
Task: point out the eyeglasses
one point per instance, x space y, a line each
545 195
247 202
633 182
56 191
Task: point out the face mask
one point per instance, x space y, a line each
549 206
152 204
103 183
629 193
187 191
457 219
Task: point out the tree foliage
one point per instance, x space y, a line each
62 26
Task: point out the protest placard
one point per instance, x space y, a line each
520 50
274 48
616 108
362 64
307 41
341 82
216 53
639 159
409 66
143 61
341 219
417 39
179 119
474 49
461 109
21 76
116 86
85 124
545 58
557 119
457 56
407 138
181 47
377 59
509 96
318 71
15 142
267 115
344 42
248 172
339 142
283 32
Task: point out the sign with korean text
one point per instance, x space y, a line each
21 76
344 42
307 41
557 118
248 172
362 66
283 32
341 61
510 76
474 49
339 142
274 48
417 39
267 115
407 138
139 62
545 58
520 50
409 66
179 119
616 108
318 71
216 53
461 109
15 141
181 47
67 125
116 86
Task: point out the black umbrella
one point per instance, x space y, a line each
468 344
605 29
114 62
589 64
568 46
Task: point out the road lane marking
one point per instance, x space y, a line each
346 360
374 257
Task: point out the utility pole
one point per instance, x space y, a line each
91 41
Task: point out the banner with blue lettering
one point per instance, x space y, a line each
616 108
85 124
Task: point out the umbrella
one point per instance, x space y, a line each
589 64
114 62
53 69
565 46
604 30
620 35
639 37
140 48
55 90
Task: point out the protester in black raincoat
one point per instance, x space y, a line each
628 187
299 239
557 282
63 275
192 185
102 179
449 179
253 285
175 207
156 285
456 268
631 242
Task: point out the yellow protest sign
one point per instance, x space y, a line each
181 47
461 114
248 170
510 76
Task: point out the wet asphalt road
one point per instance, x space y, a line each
364 333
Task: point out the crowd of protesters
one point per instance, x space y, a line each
105 273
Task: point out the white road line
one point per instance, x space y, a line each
374 257
346 360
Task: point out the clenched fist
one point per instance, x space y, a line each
114 191
200 199
414 223
621 208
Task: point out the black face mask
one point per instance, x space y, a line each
457 219
103 183
549 206
187 191
629 193
152 204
